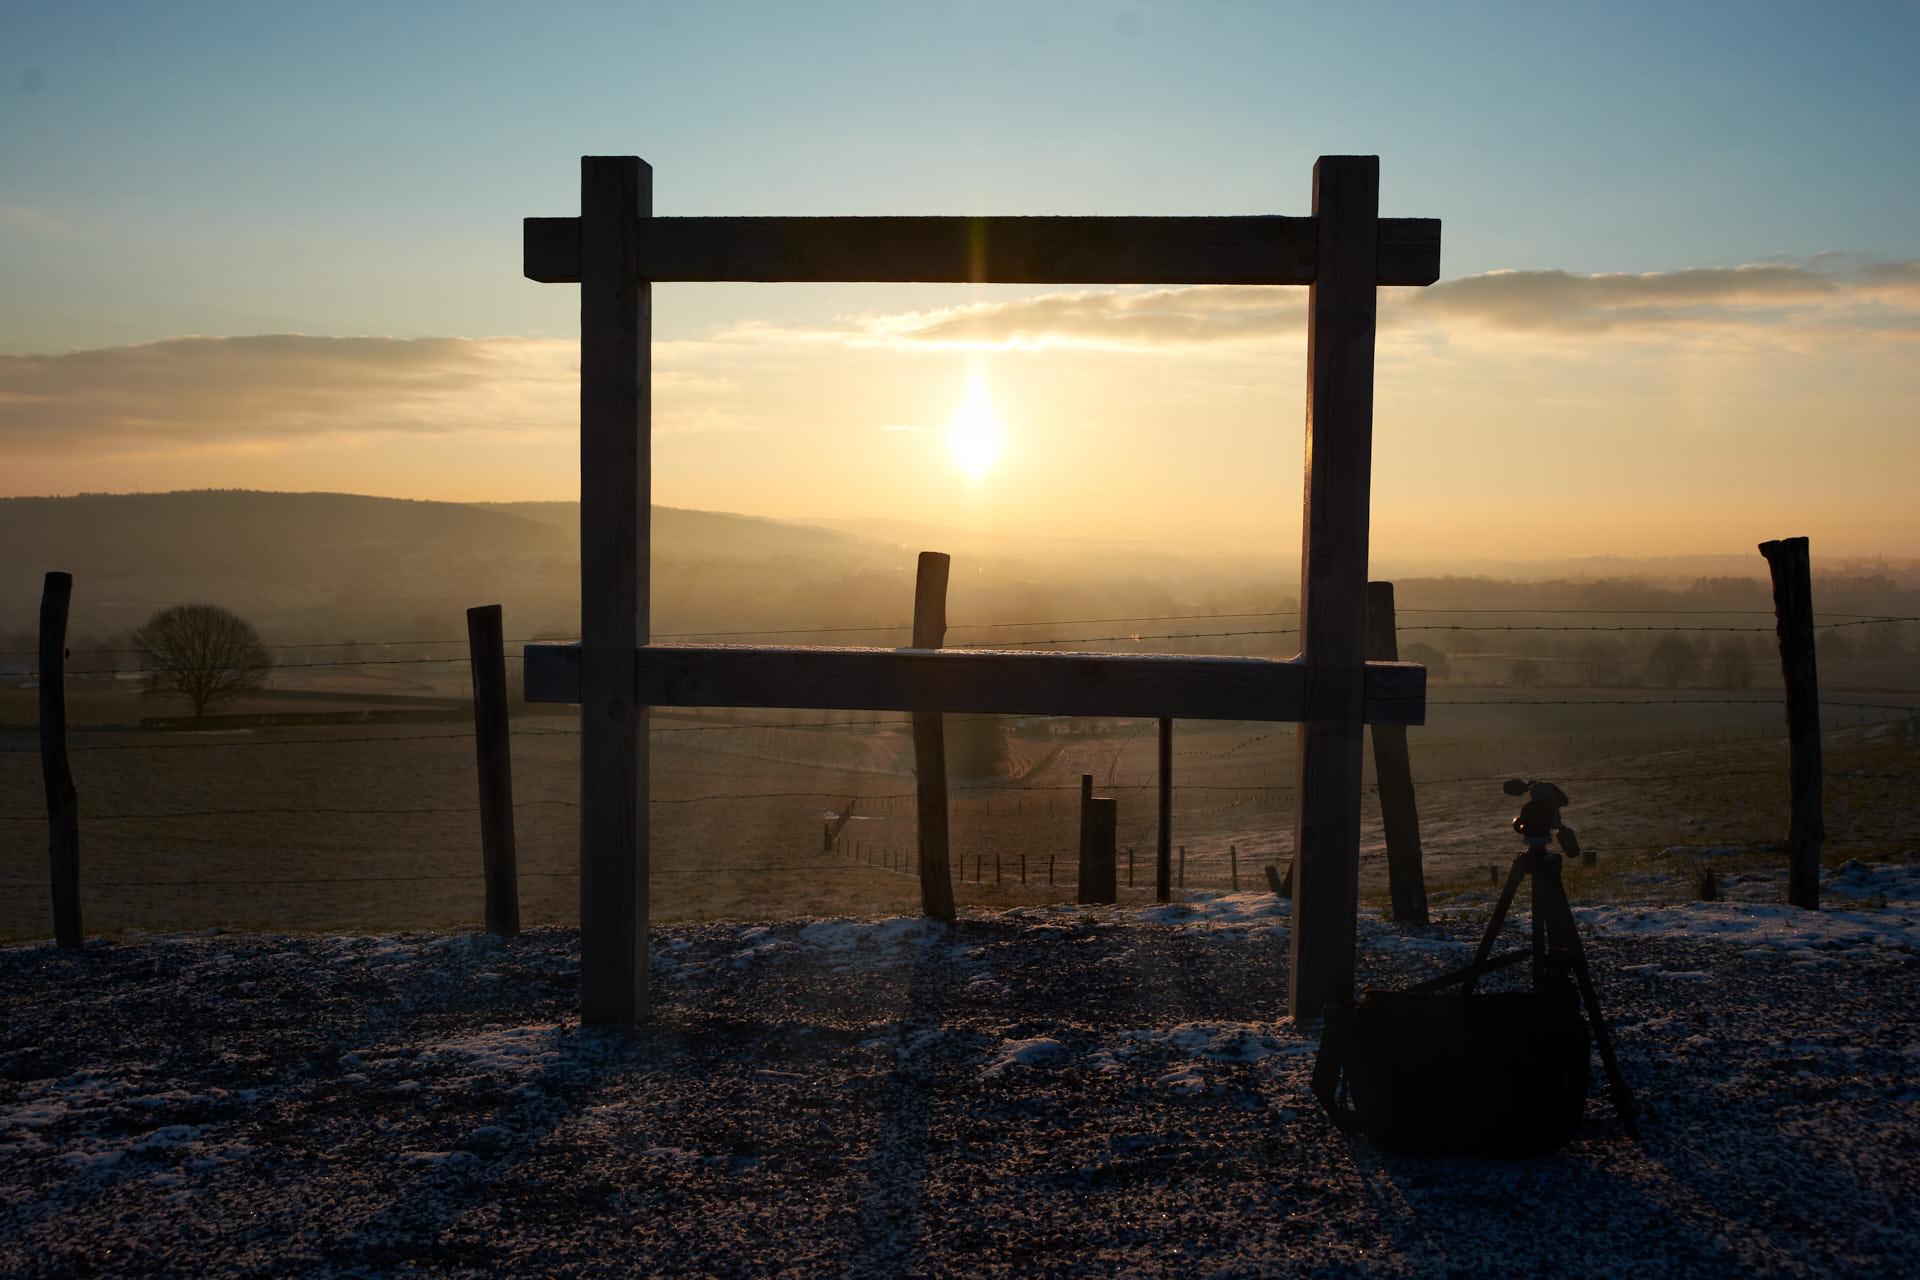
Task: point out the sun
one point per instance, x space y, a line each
974 434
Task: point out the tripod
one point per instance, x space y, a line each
1556 956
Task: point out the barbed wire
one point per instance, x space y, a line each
1852 620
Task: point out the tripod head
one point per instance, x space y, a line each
1539 819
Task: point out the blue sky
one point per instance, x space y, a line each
361 169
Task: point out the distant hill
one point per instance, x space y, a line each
682 531
320 566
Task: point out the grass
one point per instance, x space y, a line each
248 862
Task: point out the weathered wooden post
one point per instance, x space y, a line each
1399 813
1162 891
494 759
1333 579
1273 882
1103 824
1183 866
616 486
930 744
63 802
1233 862
1789 560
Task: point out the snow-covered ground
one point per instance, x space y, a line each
1042 1091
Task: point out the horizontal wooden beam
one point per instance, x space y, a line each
1236 250
1012 682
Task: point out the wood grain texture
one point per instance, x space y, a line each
1788 560
1333 595
989 682
493 759
616 192
56 770
1399 811
1409 251
930 746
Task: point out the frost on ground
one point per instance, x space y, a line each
1042 1091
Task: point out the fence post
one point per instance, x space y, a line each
1086 835
1183 866
1103 823
1341 305
1273 882
616 483
1399 814
1233 856
63 803
493 756
1162 892
929 743
1789 561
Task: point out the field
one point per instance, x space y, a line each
372 826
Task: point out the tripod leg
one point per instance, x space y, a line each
1552 910
1500 908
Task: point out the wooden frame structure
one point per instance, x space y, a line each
616 249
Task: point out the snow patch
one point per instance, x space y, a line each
1025 1053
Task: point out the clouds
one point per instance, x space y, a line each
1877 296
1771 294
280 387
1187 318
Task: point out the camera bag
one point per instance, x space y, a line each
1473 1074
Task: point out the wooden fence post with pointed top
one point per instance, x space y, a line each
1399 812
929 743
494 759
63 803
1789 561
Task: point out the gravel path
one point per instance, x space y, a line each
1048 1091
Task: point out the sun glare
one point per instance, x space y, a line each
974 434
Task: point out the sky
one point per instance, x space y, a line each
278 246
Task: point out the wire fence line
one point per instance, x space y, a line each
771 725
1846 620
988 790
1247 794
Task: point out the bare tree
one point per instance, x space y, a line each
1672 660
1733 663
202 653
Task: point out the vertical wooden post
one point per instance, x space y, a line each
1102 825
1273 882
1333 580
1183 866
1086 835
616 321
63 803
930 744
1789 561
1399 814
1233 862
1162 862
493 756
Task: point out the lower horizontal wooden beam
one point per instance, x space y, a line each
1009 682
